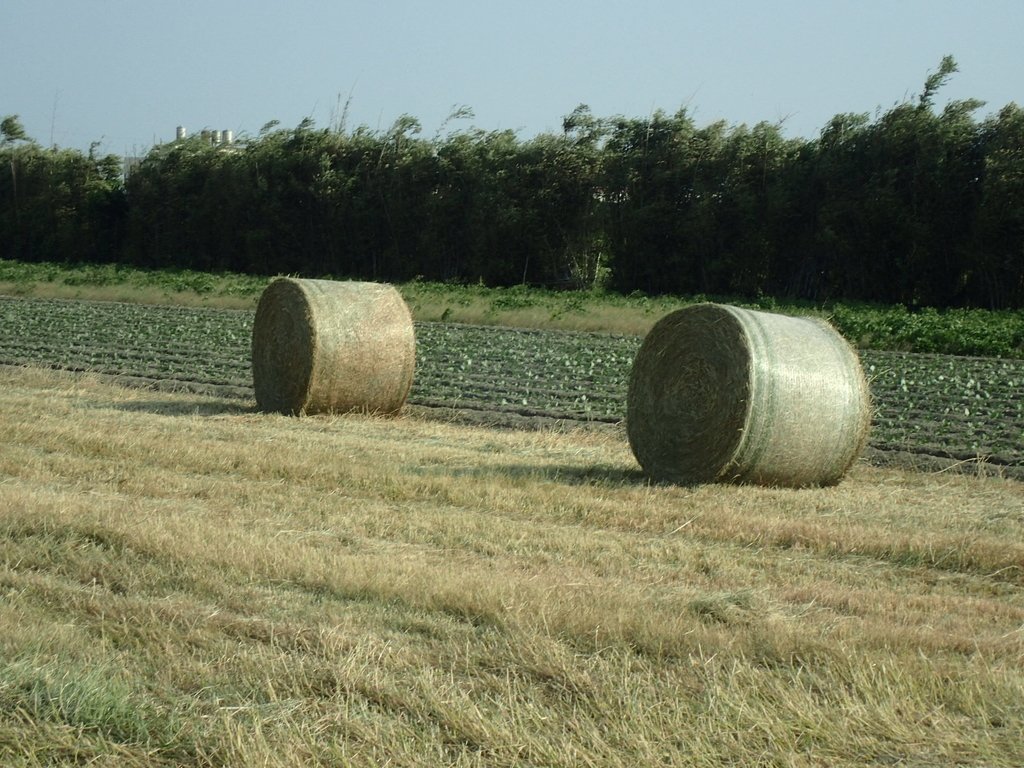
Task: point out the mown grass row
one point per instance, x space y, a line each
264 590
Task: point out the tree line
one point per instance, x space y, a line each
917 205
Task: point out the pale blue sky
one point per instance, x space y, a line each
126 72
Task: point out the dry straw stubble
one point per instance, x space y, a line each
723 393
324 346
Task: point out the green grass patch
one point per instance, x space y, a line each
118 282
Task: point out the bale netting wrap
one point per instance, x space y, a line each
723 393
323 346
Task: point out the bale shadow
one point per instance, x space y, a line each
210 399
597 475
204 408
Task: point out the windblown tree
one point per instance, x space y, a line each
994 274
921 206
58 204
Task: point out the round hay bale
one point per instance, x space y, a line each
719 393
320 346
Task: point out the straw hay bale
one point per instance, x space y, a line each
723 393
322 346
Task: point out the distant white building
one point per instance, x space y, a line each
213 137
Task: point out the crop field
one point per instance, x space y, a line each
960 408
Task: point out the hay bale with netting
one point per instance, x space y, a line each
323 346
720 393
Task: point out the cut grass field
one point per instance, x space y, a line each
186 581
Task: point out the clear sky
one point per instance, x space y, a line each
127 72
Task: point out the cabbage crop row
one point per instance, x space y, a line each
960 407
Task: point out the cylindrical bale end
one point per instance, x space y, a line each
720 393
323 346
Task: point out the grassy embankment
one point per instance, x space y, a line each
964 332
186 581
